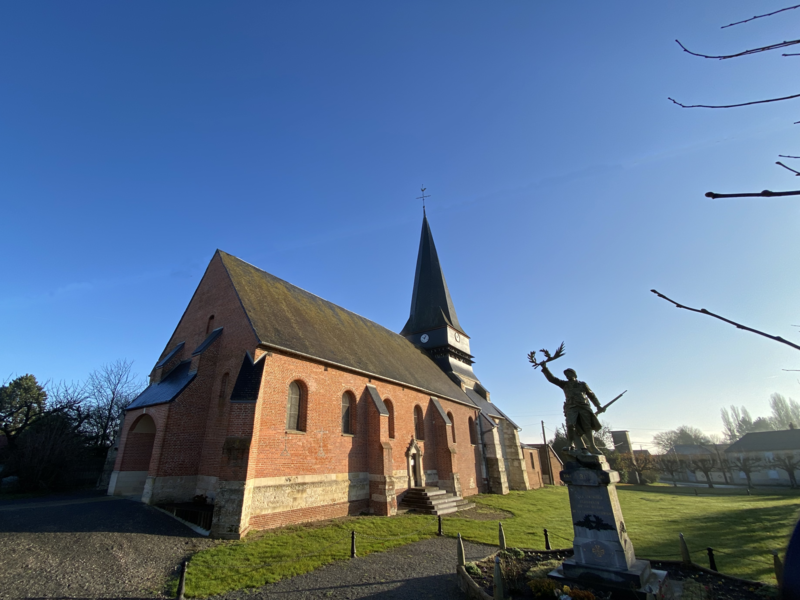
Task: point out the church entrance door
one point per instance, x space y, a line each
414 476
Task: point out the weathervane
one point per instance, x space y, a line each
422 189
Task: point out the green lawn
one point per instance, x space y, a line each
744 527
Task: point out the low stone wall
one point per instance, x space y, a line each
471 589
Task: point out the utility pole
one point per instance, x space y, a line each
546 452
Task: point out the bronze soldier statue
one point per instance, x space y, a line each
581 421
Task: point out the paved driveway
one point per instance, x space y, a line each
89 546
94 546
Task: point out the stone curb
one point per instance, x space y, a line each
468 586
474 592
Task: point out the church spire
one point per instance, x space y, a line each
431 305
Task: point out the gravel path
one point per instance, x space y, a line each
425 569
89 546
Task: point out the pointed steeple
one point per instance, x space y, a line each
431 305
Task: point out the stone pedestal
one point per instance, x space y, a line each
604 554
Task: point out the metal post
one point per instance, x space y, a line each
353 544
440 526
776 561
748 491
462 559
547 540
685 556
712 563
498 580
695 492
181 582
502 537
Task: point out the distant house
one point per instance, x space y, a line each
767 447
689 453
542 464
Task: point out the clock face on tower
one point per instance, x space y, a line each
424 338
458 337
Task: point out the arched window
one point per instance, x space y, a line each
533 462
419 423
348 413
223 389
473 433
453 426
210 325
296 408
390 408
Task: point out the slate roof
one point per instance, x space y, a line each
284 316
487 407
167 389
431 305
171 386
767 441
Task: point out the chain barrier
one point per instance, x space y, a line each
561 537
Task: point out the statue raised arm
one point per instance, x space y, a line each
581 420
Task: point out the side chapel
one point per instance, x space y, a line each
281 407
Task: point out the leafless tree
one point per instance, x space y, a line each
671 465
747 465
641 463
706 464
749 52
111 388
786 461
708 313
71 400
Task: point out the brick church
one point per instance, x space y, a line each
281 407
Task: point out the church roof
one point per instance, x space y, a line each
431 305
167 389
284 316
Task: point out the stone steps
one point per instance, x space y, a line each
433 501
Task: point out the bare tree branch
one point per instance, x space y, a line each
764 194
787 156
733 105
791 54
703 311
787 168
783 44
761 16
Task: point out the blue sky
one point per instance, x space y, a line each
136 138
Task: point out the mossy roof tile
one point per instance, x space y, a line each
286 316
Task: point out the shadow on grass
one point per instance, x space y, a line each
742 538
707 491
